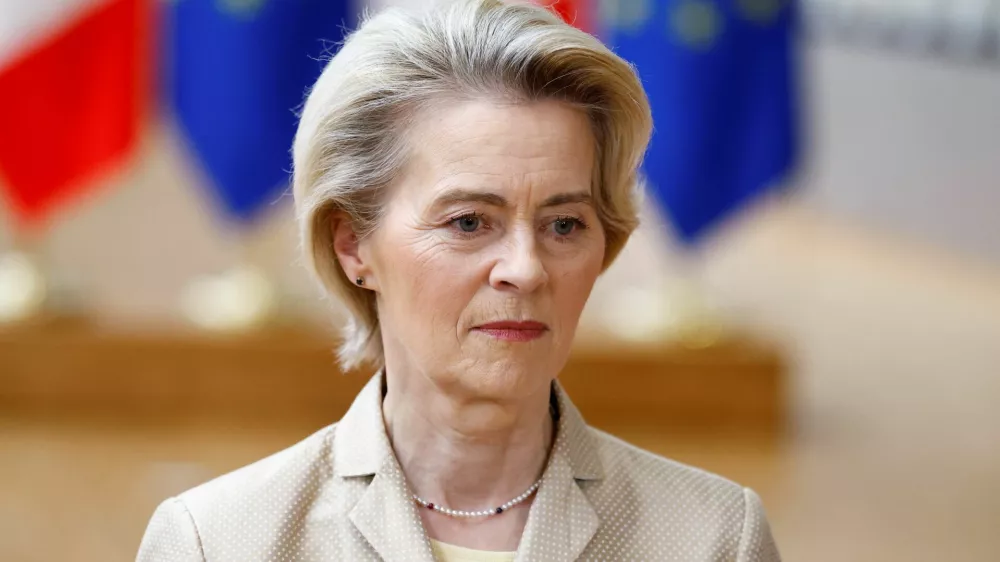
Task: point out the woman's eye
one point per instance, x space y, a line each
564 227
469 223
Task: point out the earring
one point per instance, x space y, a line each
360 281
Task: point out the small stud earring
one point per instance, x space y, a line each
360 281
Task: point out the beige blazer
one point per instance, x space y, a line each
341 495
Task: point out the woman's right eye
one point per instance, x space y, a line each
468 223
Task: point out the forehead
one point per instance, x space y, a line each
480 144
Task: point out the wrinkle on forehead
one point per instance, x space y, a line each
478 144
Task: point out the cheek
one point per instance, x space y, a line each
573 283
427 283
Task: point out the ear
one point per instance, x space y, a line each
348 249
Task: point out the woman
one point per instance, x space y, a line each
462 176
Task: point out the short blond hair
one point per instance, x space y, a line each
351 144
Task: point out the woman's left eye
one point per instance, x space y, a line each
469 224
565 226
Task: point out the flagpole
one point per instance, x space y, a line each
700 323
241 298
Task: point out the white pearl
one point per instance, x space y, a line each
482 513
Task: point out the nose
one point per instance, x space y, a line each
519 268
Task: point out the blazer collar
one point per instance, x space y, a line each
560 523
574 440
361 445
384 515
562 520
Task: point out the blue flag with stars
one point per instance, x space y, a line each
720 78
237 71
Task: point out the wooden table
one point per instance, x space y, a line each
281 373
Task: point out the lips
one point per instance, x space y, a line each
511 330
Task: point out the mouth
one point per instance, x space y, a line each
514 331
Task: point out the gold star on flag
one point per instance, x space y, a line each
760 11
240 8
697 23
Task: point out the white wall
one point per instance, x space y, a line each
907 144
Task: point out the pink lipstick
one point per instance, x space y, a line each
514 331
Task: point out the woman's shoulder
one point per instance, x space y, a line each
237 515
653 500
658 478
288 473
619 454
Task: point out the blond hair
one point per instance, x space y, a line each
351 143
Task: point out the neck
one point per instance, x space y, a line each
463 452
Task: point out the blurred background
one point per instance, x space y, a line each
811 307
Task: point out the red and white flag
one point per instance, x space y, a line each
73 84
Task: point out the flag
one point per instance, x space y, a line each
236 72
578 13
72 89
720 78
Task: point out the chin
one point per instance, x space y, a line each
507 378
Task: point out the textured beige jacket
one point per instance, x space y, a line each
341 495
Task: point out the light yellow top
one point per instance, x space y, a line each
445 552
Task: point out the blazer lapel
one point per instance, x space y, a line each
387 517
562 520
384 515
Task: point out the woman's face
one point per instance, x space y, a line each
489 247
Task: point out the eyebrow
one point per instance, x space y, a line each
568 198
471 196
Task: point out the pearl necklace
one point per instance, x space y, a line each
483 513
